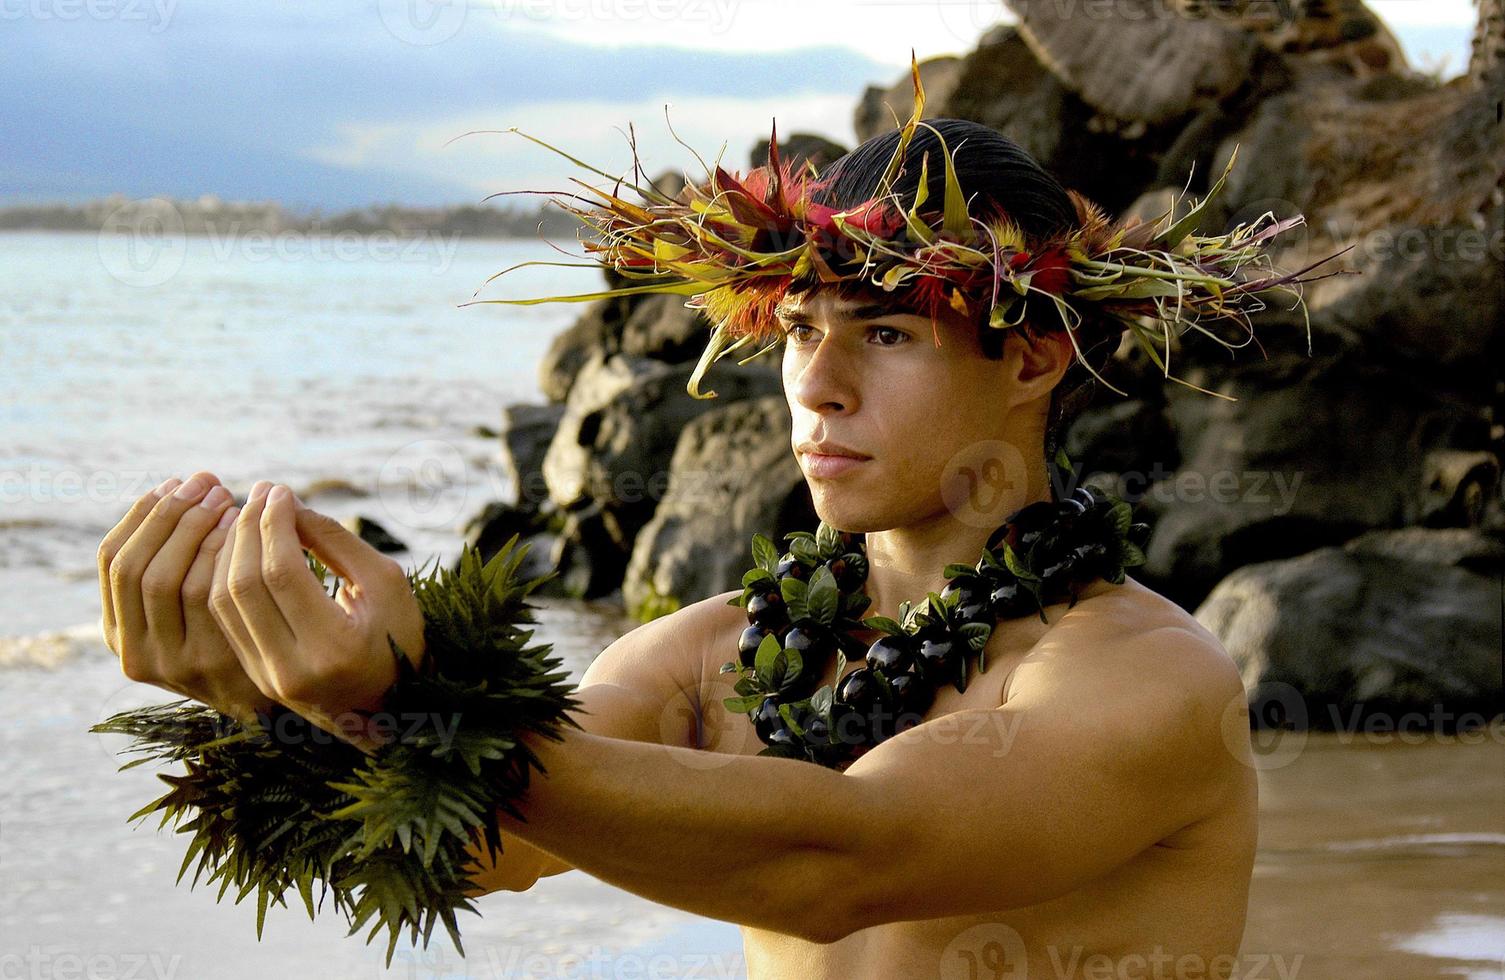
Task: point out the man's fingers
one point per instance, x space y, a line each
162 582
306 607
129 563
271 636
200 576
222 607
110 547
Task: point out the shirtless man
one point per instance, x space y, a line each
1090 799
1086 808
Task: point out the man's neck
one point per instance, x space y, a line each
906 563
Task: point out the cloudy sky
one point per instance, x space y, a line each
347 103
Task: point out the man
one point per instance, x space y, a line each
1090 795
1087 805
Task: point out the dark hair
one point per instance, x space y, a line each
998 178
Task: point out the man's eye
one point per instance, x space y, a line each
793 331
899 335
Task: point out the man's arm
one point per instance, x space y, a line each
643 687
1105 759
1104 749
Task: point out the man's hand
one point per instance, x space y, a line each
155 568
325 658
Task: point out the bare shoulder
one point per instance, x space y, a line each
664 654
1127 617
1139 665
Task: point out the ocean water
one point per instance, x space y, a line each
126 360
255 358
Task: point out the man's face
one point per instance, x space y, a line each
859 373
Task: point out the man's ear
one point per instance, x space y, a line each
1037 365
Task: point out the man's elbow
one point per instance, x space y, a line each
833 901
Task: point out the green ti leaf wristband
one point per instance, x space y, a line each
281 804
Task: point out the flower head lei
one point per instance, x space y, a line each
736 243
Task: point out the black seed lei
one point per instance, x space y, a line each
803 608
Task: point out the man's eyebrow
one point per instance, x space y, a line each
867 311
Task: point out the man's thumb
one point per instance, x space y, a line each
336 545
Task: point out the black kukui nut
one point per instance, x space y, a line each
1088 559
747 644
783 736
791 567
767 609
860 690
1030 520
849 727
1010 599
811 640
891 654
912 694
766 718
972 585
847 572
937 655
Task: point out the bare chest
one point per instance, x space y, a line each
1185 893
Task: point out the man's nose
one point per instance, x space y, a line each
825 380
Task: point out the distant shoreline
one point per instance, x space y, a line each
210 215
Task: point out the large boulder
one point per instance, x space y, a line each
1132 61
611 453
1392 621
645 324
733 474
1313 452
1411 181
798 149
879 106
526 433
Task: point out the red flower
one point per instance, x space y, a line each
1051 271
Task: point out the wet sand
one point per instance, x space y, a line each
1381 859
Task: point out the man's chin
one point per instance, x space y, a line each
848 510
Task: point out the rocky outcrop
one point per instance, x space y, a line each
733 474
1313 452
526 433
1372 430
1133 61
611 452
1391 622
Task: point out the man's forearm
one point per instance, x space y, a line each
755 840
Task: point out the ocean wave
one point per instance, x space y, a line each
51 650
